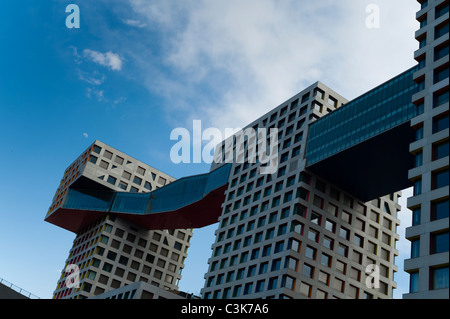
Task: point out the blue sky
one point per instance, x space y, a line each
135 70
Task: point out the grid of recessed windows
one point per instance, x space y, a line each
262 213
125 173
291 219
343 249
118 255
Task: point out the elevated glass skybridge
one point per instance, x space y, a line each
189 202
363 147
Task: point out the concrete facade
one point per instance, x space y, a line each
142 290
428 265
294 235
112 252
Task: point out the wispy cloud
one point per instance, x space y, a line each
94 78
108 59
232 61
95 93
134 23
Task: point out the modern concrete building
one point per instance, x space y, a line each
109 250
390 138
142 290
308 210
294 234
429 262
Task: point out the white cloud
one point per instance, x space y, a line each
162 12
120 100
236 60
95 78
134 23
108 59
90 92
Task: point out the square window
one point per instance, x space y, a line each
318 201
97 149
294 245
330 225
358 241
440 179
107 267
440 150
310 252
334 193
346 217
321 186
439 278
148 186
93 159
126 175
328 242
341 267
259 286
288 282
439 209
313 235
133 189
112 180
440 123
325 260
300 210
162 181
302 193
442 97
305 289
119 160
140 171
297 227
137 180
439 243
305 178
279 246
108 154
263 268
276 264
123 185
344 233
360 224
308 271
342 250
324 278
104 164
414 282
291 263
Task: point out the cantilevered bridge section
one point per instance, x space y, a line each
189 202
363 147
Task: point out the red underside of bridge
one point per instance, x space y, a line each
196 215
